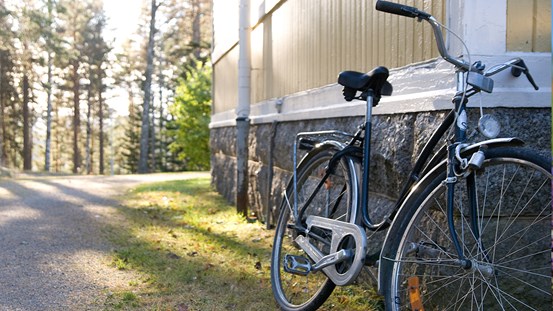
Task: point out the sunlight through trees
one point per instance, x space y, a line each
59 69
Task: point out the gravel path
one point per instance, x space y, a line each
53 250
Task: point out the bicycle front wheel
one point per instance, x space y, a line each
334 199
509 253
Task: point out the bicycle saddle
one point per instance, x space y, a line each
374 80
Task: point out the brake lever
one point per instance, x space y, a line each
520 67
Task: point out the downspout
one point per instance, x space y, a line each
243 108
269 216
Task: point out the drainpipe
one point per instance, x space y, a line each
269 217
243 108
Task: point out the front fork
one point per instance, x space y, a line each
450 182
455 165
469 175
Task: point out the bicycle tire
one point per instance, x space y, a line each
511 260
296 292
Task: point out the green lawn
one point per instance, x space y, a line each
193 252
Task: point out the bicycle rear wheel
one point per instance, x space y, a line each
510 253
335 200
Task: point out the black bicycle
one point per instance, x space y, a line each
471 229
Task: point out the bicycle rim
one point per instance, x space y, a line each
510 260
333 200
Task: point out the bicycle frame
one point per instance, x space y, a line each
457 118
363 135
414 176
455 122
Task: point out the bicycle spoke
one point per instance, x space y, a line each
542 240
523 231
506 257
511 298
512 218
526 272
329 195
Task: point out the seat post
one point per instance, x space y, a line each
366 159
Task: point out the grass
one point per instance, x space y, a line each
193 252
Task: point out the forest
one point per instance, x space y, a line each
59 69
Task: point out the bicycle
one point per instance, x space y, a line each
471 227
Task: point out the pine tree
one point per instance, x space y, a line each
132 139
143 166
74 22
8 109
31 20
182 36
95 61
52 47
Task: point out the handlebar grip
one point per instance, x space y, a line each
531 80
517 71
400 9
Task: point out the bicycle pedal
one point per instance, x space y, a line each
297 265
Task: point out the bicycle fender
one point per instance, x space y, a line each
384 264
321 146
496 142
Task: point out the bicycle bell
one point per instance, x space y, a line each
489 126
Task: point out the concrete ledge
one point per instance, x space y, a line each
427 86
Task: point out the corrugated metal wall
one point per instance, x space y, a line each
302 44
529 17
308 42
225 82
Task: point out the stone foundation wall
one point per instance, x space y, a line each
396 141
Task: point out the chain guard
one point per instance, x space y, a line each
340 231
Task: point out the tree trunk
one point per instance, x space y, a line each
196 28
88 162
162 147
153 135
101 120
48 98
57 138
27 146
145 130
2 117
48 115
76 118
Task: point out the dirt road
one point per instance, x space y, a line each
54 254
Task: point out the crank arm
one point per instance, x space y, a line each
332 259
321 261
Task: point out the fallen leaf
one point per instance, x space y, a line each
208 266
173 255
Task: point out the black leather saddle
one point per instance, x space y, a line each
375 82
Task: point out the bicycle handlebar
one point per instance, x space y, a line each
400 9
517 65
409 11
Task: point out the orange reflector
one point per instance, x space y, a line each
415 294
328 183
